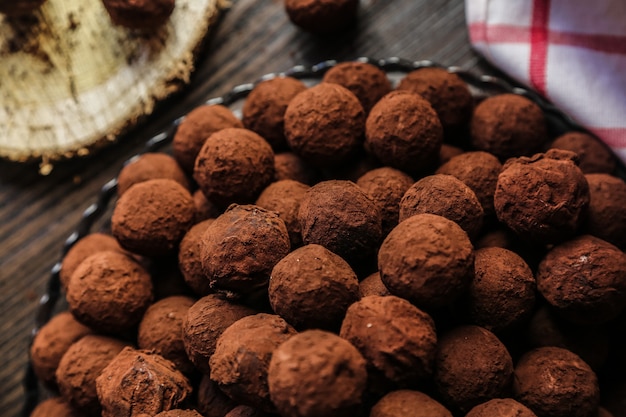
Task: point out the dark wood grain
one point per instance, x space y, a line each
253 38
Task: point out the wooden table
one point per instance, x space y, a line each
254 37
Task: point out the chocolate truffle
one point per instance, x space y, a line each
239 249
204 208
542 198
284 198
584 279
179 413
212 402
150 166
151 217
399 354
316 373
289 166
446 92
81 365
138 383
404 132
372 285
501 407
206 320
403 403
245 411
508 125
242 357
502 292
51 342
340 216
264 109
54 407
82 249
161 330
479 171
324 124
139 14
426 259
109 292
313 287
472 366
448 152
196 127
19 7
234 166
606 217
321 16
554 382
386 186
190 261
446 196
368 82
593 155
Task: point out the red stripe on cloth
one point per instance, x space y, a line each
602 43
539 44
615 137
482 32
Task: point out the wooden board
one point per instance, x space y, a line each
71 81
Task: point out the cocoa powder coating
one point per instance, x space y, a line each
234 166
150 166
289 166
264 109
501 407
242 357
542 198
554 382
245 411
139 14
324 124
312 288
606 217
372 285
179 413
316 373
593 155
212 402
137 383
204 208
403 403
190 260
426 259
321 16
54 407
404 132
446 196
448 152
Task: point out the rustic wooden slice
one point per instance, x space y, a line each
71 81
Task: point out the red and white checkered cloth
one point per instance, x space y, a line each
573 52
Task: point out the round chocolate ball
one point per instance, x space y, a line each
502 293
584 279
161 330
179 413
140 383
542 198
151 217
264 109
150 166
324 124
508 125
446 196
403 403
316 373
284 198
501 407
426 259
321 16
554 382
190 260
401 355
242 357
19 7
368 82
593 155
479 171
404 132
340 216
239 249
472 366
606 217
446 92
289 166
312 288
234 166
372 285
204 208
205 321
448 152
139 14
54 407
51 342
386 186
79 368
109 292
194 130
212 402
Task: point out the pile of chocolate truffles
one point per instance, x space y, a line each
354 248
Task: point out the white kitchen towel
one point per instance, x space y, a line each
573 52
